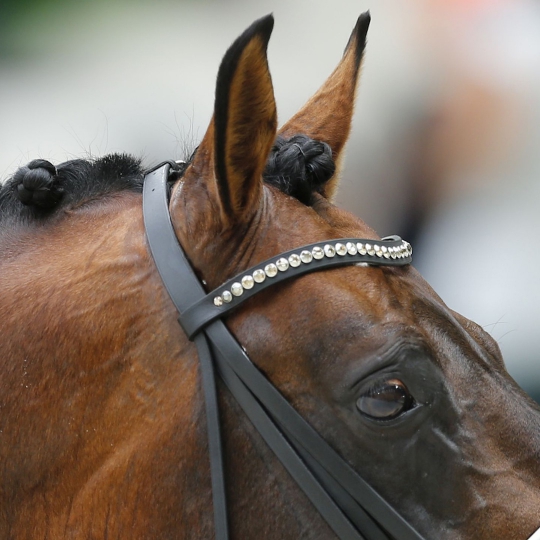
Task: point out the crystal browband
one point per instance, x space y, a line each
390 251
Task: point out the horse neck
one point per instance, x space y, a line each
98 380
103 423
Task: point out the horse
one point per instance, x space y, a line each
103 423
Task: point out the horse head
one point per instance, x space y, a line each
103 424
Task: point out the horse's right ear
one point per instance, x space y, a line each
231 158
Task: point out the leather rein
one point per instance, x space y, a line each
349 505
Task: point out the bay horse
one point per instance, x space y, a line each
103 426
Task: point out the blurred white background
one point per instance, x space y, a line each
445 149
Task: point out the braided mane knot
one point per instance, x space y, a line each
299 166
37 184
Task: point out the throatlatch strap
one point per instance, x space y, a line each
184 289
350 506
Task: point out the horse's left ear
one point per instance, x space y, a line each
327 116
231 158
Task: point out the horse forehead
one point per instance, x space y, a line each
285 223
322 213
366 307
376 290
348 303
328 321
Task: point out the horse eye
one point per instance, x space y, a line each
386 400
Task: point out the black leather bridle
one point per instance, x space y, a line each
352 509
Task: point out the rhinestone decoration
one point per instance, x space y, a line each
318 252
270 270
259 276
237 289
306 256
282 264
329 250
294 260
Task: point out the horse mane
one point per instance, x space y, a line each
79 181
299 167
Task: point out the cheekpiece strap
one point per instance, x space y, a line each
390 251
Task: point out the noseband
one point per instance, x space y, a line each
350 506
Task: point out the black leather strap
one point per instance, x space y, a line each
181 283
184 289
349 505
215 447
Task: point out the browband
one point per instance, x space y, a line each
390 251
349 505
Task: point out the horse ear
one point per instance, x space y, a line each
236 146
327 116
